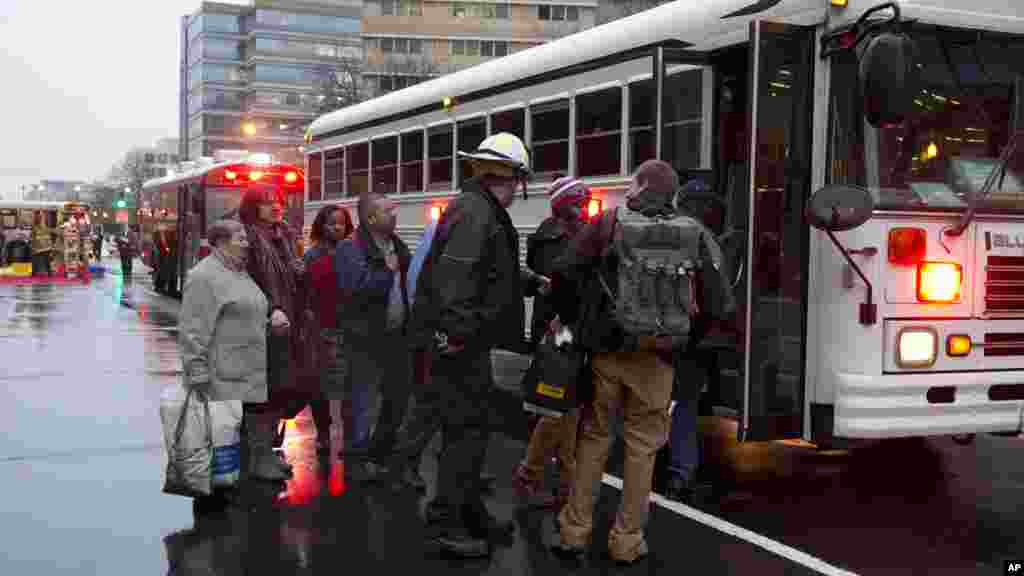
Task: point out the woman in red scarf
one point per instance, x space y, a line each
277 270
332 225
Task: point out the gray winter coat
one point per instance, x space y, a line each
222 332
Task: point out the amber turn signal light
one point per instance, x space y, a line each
958 345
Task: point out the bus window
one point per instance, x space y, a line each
358 169
550 139
385 165
441 148
412 161
471 133
599 133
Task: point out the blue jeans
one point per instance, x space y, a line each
377 366
683 445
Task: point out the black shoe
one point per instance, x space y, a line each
411 478
680 490
462 544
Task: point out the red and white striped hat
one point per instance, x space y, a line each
567 190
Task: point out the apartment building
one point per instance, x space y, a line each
408 41
252 75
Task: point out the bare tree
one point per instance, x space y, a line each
339 86
131 172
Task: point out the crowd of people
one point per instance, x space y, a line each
359 328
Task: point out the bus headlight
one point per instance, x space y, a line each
916 347
938 282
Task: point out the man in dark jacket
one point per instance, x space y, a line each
470 297
372 268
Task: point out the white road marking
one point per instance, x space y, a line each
731 529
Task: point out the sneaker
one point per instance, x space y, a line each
460 543
639 554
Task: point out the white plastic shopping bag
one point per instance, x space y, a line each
226 417
202 439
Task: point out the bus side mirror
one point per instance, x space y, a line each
888 79
837 208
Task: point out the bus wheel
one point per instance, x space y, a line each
964 439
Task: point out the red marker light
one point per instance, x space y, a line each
593 207
255 175
435 212
230 175
291 177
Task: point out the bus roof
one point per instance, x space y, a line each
697 23
702 24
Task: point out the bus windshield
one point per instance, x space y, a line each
968 105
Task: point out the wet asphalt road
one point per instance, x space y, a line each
81 467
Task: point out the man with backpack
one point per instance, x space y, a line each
642 270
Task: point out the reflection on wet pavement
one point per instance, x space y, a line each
81 464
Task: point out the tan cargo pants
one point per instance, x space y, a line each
551 434
640 384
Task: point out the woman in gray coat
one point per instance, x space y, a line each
222 332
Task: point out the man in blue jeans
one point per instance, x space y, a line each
684 445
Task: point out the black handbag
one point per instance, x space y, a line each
551 383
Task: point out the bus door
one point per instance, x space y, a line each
775 299
188 233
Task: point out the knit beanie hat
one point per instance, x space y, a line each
567 191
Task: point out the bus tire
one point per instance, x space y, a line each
964 439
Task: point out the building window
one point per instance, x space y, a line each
412 161
385 165
641 123
501 11
162 158
311 23
486 48
511 121
440 147
544 12
387 44
599 133
358 169
550 138
459 10
471 134
472 47
149 158
386 83
415 46
572 13
553 12
401 8
402 45
458 47
174 158
501 49
313 176
558 12
682 120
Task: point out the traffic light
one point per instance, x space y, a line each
121 203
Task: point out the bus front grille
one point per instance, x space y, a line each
1004 344
1004 285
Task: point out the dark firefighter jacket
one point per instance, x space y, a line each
471 286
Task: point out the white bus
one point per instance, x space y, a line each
763 99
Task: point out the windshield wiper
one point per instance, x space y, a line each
998 173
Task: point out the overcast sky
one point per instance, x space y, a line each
84 82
